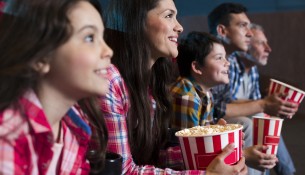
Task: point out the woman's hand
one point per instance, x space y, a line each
219 167
255 158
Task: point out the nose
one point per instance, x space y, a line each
178 27
249 32
267 48
227 63
106 52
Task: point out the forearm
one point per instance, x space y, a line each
246 108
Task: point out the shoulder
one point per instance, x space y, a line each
115 78
183 86
220 89
113 73
12 124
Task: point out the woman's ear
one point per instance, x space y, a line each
41 66
196 68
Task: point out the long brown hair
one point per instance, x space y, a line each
126 35
31 30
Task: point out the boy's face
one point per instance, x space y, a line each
216 67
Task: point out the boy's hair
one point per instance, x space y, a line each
194 47
221 15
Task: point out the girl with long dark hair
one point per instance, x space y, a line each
53 58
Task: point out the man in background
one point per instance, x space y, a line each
229 22
258 55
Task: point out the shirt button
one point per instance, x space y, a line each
45 165
50 138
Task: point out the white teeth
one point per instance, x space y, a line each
104 71
101 71
226 72
173 39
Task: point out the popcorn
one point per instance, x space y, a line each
201 144
207 130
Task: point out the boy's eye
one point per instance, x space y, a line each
89 38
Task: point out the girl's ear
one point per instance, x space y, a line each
41 66
196 68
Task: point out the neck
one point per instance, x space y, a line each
204 86
151 62
247 63
55 105
229 48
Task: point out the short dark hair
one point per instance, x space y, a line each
194 47
221 15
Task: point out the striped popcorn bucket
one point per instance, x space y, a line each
199 151
294 94
267 131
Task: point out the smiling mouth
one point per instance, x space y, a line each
173 39
101 71
225 72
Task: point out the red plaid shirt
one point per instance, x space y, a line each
26 140
115 106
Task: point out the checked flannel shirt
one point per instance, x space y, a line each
191 106
26 140
115 106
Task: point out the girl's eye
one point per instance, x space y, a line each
89 38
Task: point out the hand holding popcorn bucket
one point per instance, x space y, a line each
267 131
295 95
201 144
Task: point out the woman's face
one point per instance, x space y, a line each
78 67
163 29
216 67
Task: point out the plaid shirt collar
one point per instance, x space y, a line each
237 69
203 96
38 120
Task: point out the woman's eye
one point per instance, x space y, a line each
89 38
169 16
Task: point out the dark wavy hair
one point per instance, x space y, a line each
194 47
126 22
221 15
31 30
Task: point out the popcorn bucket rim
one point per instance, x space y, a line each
268 118
207 135
287 85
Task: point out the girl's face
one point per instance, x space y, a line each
78 67
216 67
163 29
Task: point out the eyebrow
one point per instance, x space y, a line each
93 27
171 10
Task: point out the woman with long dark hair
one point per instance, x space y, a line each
137 108
53 56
